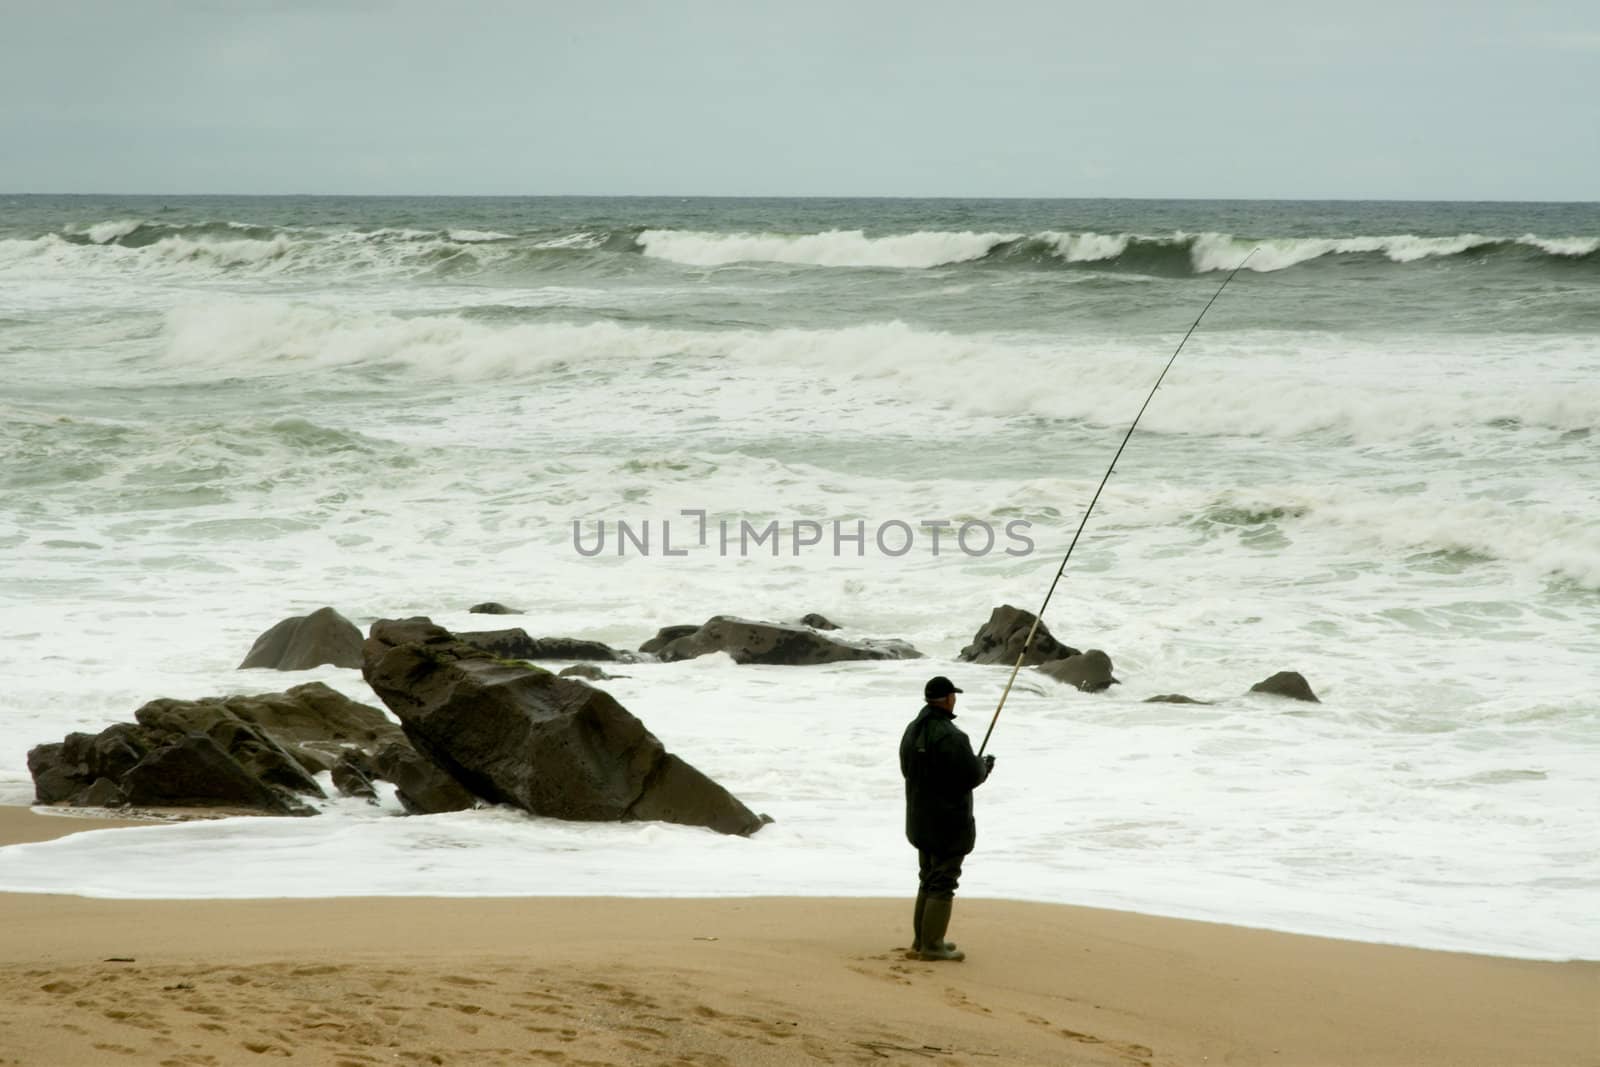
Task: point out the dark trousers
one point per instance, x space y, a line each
938 876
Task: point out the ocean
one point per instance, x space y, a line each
1374 463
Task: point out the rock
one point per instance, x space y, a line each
111 753
54 780
266 739
307 641
516 644
318 757
1290 684
104 793
748 641
310 712
1089 671
676 792
489 607
516 734
588 672
195 771
61 771
665 636
264 759
353 775
423 787
817 622
1000 640
1173 698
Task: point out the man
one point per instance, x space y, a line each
940 772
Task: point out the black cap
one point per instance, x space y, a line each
939 686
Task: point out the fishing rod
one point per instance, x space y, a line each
1023 654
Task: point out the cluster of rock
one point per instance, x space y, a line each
326 637
257 753
478 722
1003 637
789 644
473 727
1002 640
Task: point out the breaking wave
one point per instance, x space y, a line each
1178 252
981 376
134 246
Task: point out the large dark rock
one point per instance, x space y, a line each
748 641
516 644
1089 671
515 734
1000 640
1290 684
307 641
203 752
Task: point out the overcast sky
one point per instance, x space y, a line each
1347 99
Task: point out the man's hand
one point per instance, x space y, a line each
988 765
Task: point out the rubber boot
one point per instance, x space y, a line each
935 921
916 924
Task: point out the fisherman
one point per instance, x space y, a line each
941 771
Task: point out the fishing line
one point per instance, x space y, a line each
1023 654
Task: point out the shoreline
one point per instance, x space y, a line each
20 824
740 980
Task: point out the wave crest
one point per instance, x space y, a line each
136 246
833 248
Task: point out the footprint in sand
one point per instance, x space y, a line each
1139 1054
266 1048
957 999
897 975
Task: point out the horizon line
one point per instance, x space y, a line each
801 196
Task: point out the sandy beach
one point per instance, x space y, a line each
738 981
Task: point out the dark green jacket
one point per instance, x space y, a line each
941 771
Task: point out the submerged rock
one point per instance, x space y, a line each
516 644
307 641
665 636
515 734
1291 684
748 641
490 607
1089 671
1000 640
1173 698
588 672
